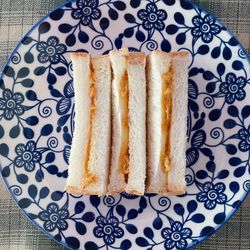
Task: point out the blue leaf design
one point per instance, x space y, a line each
57 14
231 149
216 52
199 124
39 175
67 138
227 53
201 174
1 131
26 40
165 46
104 23
125 244
22 178
68 89
203 49
237 65
9 71
193 72
157 223
179 18
237 204
223 174
206 231
57 195
65 27
229 123
208 75
52 169
32 120
6 171
72 242
51 78
113 14
15 131
172 29
211 166
219 218
118 42
143 202
70 40
132 214
130 18
24 203
193 105
4 149
192 206
181 38
90 245
129 32
234 187
120 5
88 217
179 209
238 172
31 95
235 161
80 228
46 130
63 106
28 133
39 70
131 228
207 152
221 69
148 232
50 157
198 218
192 89
245 112
121 210
66 153
198 138
186 5
2 84
32 190
169 2
215 114
192 156
95 200
28 57
233 111
142 242
44 192
27 83
83 37
79 207
23 72
140 36
44 27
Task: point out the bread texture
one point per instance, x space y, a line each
158 180
85 70
81 75
134 64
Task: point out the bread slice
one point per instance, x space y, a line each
167 178
90 151
131 178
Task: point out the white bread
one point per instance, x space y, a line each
99 157
158 181
134 64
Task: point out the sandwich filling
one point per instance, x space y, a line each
124 151
90 178
167 111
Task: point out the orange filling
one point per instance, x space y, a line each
167 110
124 151
89 177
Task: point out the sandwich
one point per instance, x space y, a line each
128 157
89 159
167 101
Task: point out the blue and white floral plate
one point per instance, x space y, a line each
36 114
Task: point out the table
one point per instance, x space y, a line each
16 232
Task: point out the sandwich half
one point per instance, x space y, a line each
128 157
167 79
90 150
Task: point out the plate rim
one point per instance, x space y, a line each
6 183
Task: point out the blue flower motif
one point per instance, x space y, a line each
27 156
108 229
233 88
51 50
212 194
244 135
176 236
205 28
86 11
152 17
11 104
54 217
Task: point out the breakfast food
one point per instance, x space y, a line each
130 123
167 76
90 151
128 157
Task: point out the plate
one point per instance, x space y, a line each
37 107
